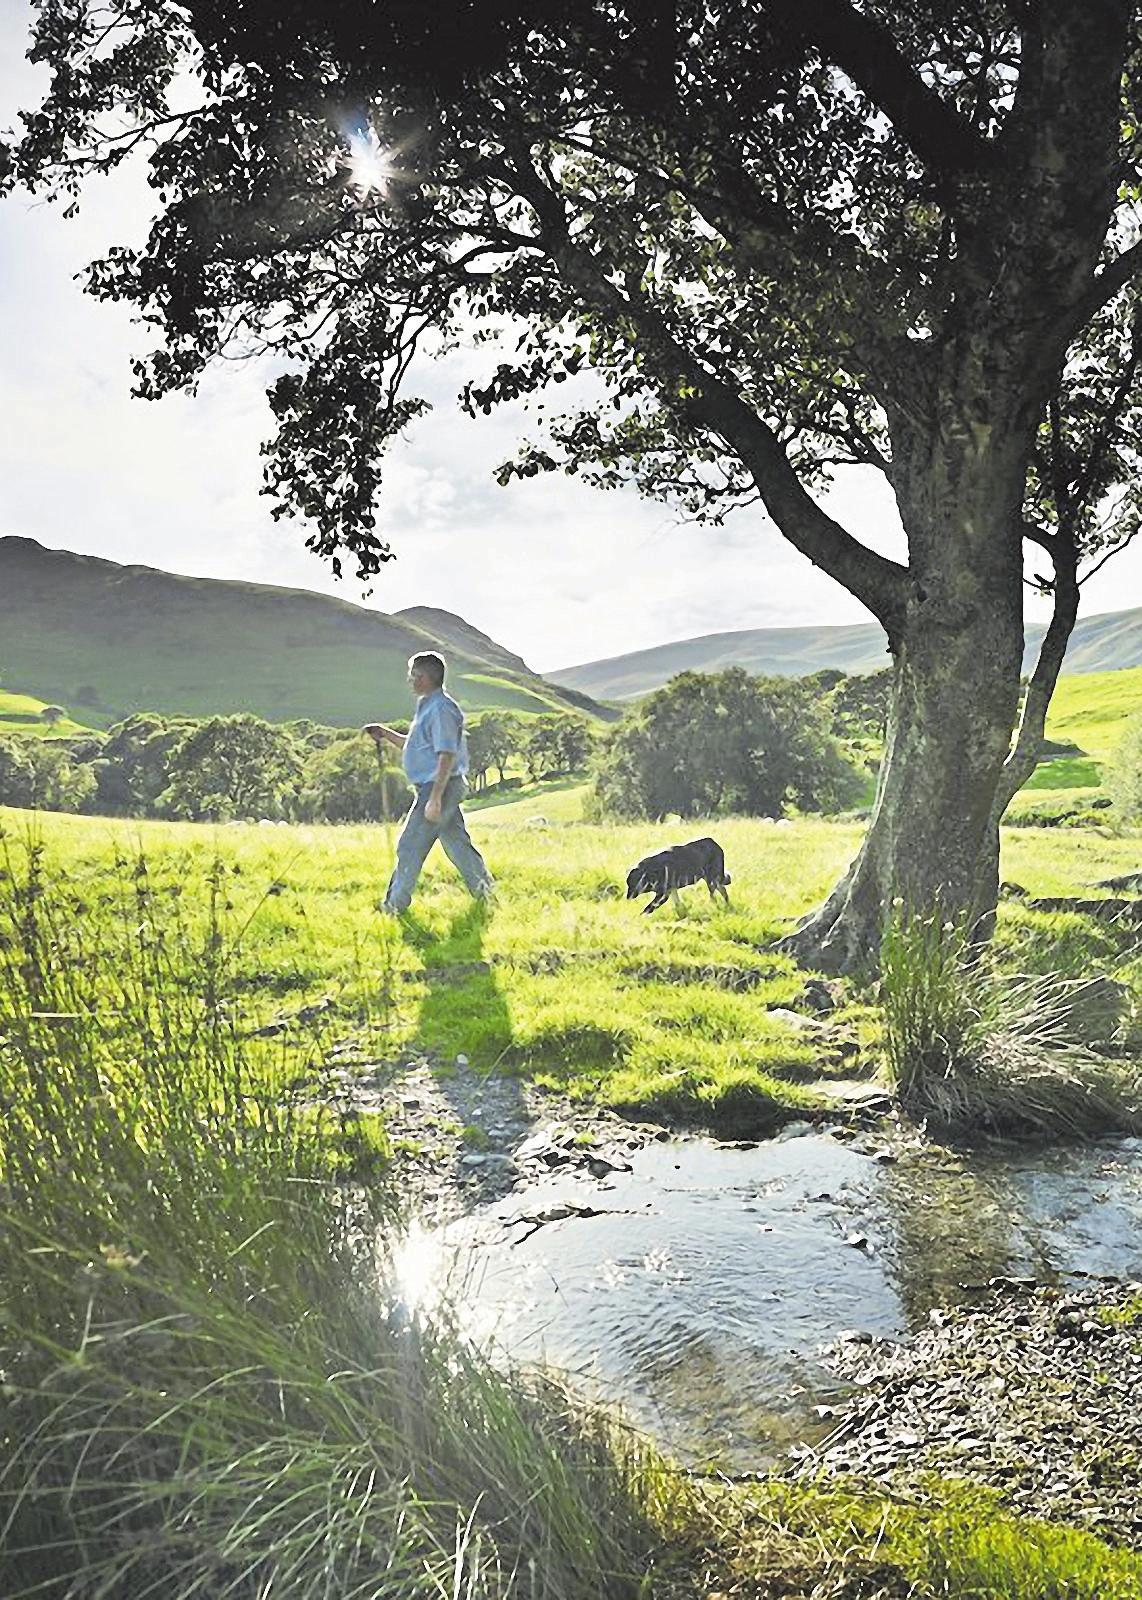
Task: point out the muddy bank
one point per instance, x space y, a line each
462 1139
1033 1390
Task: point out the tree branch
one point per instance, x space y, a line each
877 582
936 132
1024 755
1109 282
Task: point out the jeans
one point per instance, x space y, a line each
418 836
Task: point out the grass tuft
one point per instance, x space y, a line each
971 1048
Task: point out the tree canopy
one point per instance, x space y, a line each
780 235
709 744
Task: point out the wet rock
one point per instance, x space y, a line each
793 1130
1031 1391
1127 880
857 1241
1073 1323
797 1023
550 1146
601 1166
1110 909
822 994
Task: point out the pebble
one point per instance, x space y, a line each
1028 1390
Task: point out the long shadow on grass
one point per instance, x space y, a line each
464 1013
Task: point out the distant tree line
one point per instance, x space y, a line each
548 746
706 744
218 769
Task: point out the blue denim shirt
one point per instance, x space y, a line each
437 725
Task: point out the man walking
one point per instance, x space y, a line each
434 753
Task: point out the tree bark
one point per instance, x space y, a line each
958 654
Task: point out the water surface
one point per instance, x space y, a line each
705 1294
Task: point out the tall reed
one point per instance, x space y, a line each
209 1387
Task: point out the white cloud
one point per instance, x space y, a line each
551 568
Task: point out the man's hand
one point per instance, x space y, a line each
376 732
432 808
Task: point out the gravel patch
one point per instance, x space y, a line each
1033 1390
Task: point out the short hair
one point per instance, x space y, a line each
429 663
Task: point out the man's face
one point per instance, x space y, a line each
419 681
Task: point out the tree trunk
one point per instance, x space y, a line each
1024 754
958 653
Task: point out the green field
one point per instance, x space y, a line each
23 714
562 979
200 1373
1089 711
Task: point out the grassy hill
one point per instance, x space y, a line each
1089 712
23 714
1090 709
1104 643
104 640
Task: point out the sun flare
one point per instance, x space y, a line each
370 164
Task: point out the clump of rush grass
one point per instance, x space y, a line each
205 1389
969 1047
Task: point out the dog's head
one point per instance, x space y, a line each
637 881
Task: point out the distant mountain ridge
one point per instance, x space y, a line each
1102 643
104 640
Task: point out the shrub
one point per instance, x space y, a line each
60 784
347 781
17 774
229 767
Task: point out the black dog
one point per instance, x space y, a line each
699 861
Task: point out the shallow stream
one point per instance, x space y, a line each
704 1292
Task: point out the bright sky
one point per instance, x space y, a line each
554 570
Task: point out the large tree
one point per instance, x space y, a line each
784 234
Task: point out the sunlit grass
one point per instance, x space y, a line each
563 979
211 1384
207 1390
941 1538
